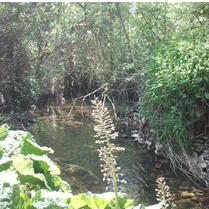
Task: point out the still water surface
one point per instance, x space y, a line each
72 139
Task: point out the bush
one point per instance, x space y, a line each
176 87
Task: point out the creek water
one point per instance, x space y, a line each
71 136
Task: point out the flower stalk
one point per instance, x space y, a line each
163 194
105 130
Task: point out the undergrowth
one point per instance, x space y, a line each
175 96
176 88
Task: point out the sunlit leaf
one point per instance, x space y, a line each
30 147
5 163
90 202
4 129
35 179
57 184
207 95
23 164
44 199
12 143
100 202
124 203
77 201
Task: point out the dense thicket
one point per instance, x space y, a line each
177 89
174 94
71 47
155 51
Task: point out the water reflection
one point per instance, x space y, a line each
76 153
72 139
74 150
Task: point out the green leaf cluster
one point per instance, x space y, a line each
89 200
26 170
175 80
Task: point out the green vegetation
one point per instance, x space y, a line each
154 54
174 94
56 49
30 180
177 88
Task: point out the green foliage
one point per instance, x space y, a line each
11 196
29 179
85 44
45 199
89 200
4 132
30 147
23 162
176 77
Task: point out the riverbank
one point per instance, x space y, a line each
187 192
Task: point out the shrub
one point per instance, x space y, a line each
176 88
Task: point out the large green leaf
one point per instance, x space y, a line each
23 164
4 129
34 179
31 147
100 202
77 201
5 163
88 200
124 203
43 164
44 199
12 143
53 181
57 184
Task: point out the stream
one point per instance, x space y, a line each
71 136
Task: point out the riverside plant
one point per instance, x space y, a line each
163 194
105 130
